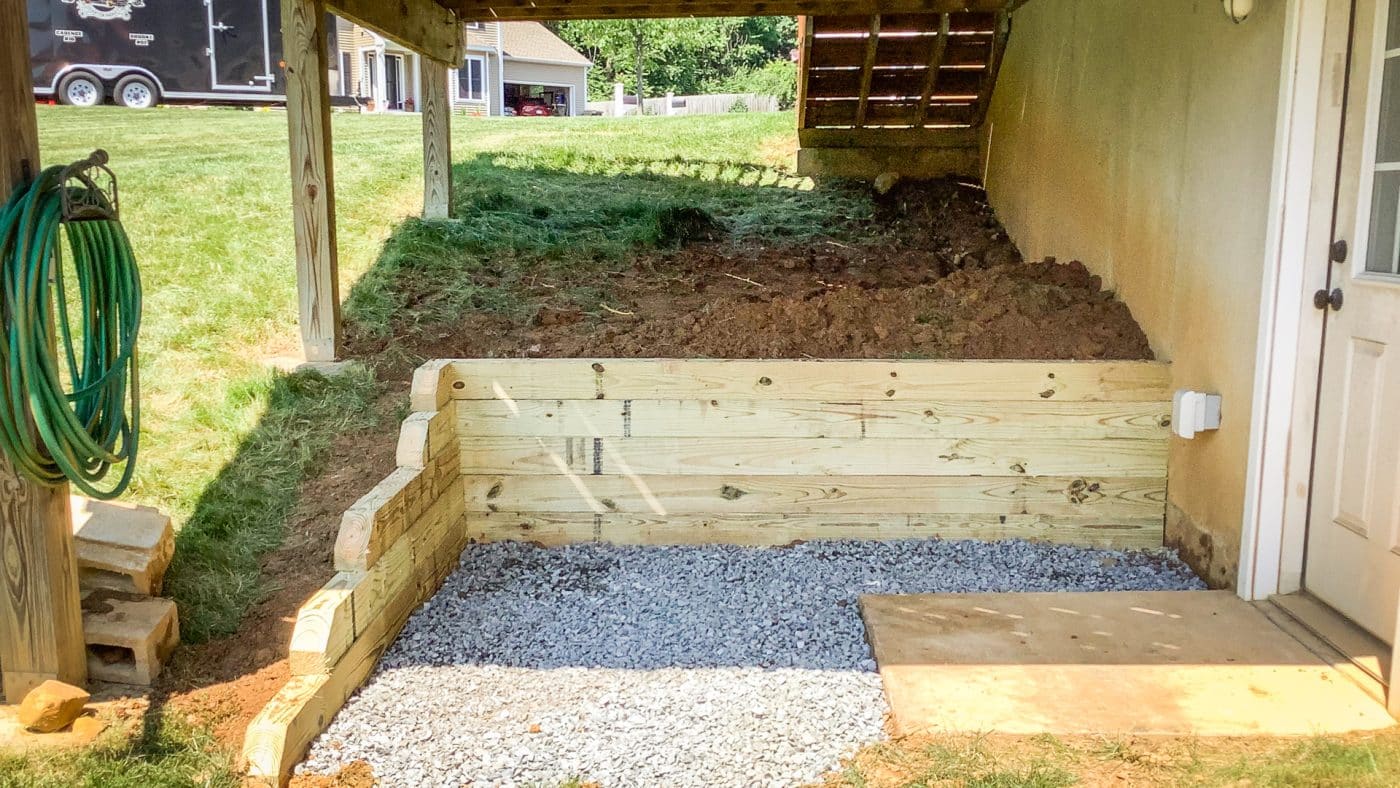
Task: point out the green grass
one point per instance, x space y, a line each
205 194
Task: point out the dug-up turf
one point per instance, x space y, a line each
937 277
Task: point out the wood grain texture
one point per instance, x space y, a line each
313 177
424 26
561 528
437 142
814 456
938 52
41 635
750 418
867 70
325 626
1096 497
1000 381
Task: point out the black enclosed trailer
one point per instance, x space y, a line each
140 52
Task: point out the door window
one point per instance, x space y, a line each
1383 238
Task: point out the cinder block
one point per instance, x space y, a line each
121 546
129 637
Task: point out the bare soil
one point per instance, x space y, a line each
942 280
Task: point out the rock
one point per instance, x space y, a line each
885 182
88 728
52 706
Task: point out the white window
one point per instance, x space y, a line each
471 79
475 25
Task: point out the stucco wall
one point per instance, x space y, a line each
576 77
1138 138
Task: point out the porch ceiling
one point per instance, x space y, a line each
545 10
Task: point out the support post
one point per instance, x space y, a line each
619 100
304 38
437 142
41 620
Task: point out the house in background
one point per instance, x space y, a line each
505 62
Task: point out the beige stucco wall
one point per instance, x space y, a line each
576 77
1139 138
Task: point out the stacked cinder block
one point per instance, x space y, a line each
123 551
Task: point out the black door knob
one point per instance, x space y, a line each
1324 299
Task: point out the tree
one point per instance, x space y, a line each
684 56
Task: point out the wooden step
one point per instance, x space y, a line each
129 636
121 546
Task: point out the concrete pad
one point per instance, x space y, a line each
1200 663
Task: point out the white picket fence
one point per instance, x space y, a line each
710 104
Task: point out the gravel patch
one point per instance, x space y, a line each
675 666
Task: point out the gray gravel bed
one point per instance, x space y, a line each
667 666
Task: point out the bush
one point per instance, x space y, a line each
776 78
739 105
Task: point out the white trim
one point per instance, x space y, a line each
547 62
1289 344
569 85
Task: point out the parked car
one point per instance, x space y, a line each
533 108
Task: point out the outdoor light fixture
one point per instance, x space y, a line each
1238 10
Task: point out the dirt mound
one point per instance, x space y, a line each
1040 311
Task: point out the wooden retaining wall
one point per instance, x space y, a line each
739 452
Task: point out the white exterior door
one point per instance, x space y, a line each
1353 550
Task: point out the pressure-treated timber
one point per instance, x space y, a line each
437 142
553 529
937 54
1089 497
999 381
734 452
424 26
815 456
304 37
751 418
396 546
41 635
546 10
867 70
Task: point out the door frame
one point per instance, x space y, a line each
264 82
1289 351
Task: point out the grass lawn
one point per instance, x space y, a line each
229 444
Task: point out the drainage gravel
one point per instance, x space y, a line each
675 666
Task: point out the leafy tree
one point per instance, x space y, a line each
684 56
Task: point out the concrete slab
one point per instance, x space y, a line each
1202 663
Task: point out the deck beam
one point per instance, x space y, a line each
41 621
313 180
437 142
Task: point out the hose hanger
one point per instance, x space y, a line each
69 383
89 190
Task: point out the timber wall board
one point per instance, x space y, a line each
734 452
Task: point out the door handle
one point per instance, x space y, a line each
1339 251
1333 299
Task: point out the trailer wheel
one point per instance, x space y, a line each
136 92
80 89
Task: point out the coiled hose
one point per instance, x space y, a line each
52 433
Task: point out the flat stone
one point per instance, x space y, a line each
1202 663
330 369
52 706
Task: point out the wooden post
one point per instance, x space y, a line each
304 38
41 621
437 142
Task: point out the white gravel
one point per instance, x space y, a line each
667 666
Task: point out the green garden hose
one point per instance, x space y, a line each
51 432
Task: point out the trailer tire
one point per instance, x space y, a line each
136 92
80 89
